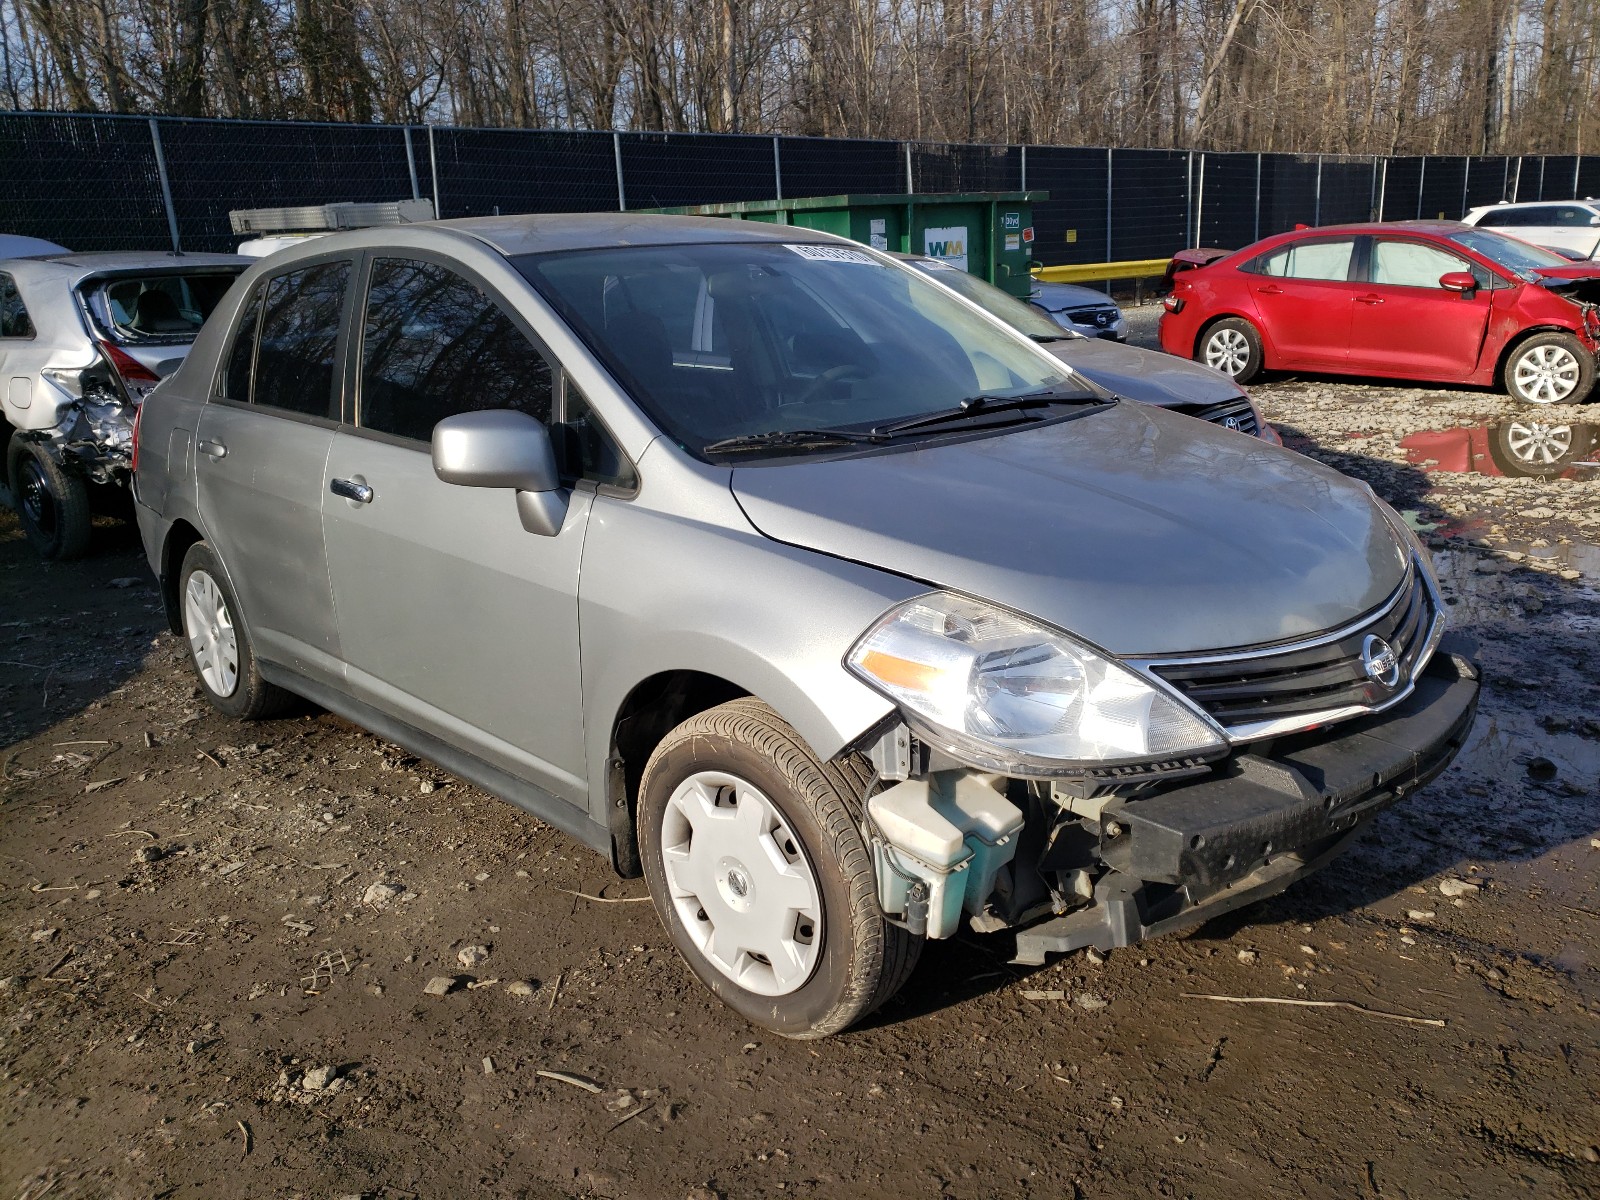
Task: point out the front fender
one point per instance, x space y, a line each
662 591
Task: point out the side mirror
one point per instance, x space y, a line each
503 448
1459 281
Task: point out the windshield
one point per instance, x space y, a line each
1024 318
158 308
1507 252
732 339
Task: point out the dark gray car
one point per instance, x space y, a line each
1127 371
796 583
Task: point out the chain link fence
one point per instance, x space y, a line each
96 182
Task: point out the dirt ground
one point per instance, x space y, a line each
190 937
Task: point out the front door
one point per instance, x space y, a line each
1304 293
261 450
1406 324
452 617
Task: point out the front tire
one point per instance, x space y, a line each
1549 368
53 504
219 644
755 860
1232 346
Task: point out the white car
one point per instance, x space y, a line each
1568 225
83 339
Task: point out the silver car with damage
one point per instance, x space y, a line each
83 339
793 581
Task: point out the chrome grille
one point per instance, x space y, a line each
1235 414
1099 316
1305 680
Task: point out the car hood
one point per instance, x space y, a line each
1577 271
1140 530
1145 375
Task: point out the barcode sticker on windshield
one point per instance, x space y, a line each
832 253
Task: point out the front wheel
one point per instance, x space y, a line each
53 504
758 870
1233 347
1549 368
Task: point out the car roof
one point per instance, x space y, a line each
77 266
1426 226
542 233
1589 200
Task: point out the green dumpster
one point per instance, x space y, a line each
988 234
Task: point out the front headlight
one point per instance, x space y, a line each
1004 693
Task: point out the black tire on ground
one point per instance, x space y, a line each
1232 346
250 698
863 959
1549 368
53 504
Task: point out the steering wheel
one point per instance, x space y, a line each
830 376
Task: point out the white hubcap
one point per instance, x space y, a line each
1546 374
740 883
1227 350
1538 444
209 628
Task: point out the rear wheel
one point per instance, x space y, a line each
1549 368
1233 347
758 870
219 644
53 504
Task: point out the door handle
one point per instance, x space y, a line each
361 493
213 450
1271 289
1369 299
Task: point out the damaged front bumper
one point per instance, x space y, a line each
1068 866
1274 814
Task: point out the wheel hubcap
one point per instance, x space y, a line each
1546 374
212 640
740 883
1227 350
1538 444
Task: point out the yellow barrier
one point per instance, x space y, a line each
1139 268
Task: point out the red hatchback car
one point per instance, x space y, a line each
1434 300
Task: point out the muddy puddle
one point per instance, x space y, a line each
1517 448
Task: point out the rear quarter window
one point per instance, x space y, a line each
14 319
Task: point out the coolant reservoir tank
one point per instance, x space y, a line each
989 824
913 842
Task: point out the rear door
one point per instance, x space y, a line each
1405 324
452 617
1304 294
261 449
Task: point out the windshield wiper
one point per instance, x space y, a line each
790 439
983 406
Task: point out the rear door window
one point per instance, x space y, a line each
1310 260
299 339
434 344
14 319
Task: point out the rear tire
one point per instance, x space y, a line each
753 854
1549 368
53 504
1232 346
220 649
